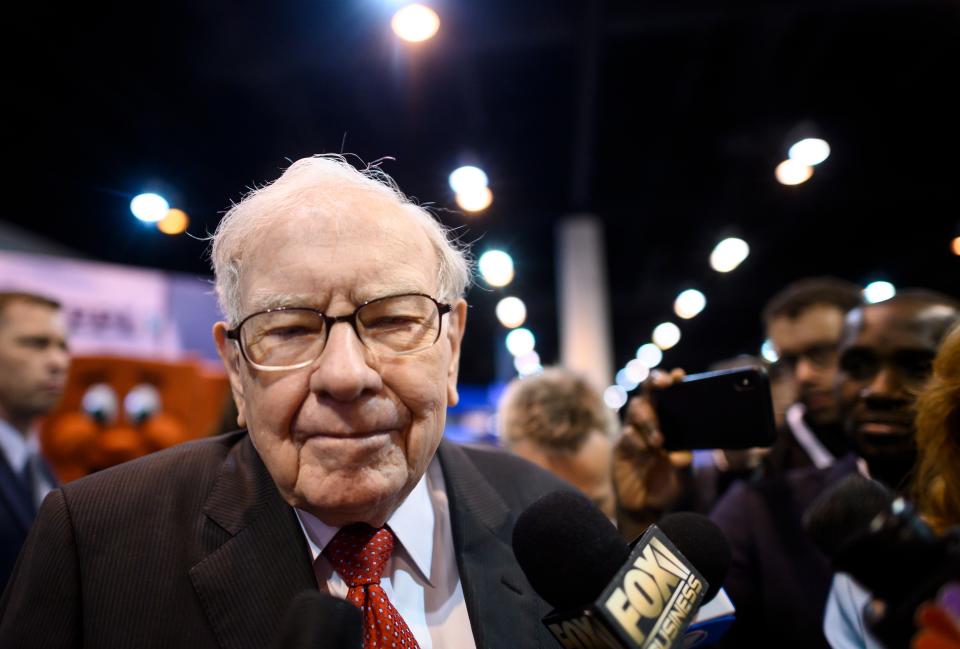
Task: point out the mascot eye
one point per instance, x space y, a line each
100 402
141 403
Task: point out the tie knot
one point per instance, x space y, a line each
359 553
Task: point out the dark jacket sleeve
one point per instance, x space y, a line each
40 607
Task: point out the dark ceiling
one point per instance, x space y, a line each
666 119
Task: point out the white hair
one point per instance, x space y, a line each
317 183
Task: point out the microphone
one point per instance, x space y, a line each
606 593
316 620
887 548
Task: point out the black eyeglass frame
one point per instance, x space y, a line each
329 321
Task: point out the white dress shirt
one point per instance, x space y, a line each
421 578
18 451
819 455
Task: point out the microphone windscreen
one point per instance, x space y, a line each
568 549
703 544
315 620
844 511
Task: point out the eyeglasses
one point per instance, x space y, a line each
913 367
821 356
288 338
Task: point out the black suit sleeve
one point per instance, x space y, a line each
40 607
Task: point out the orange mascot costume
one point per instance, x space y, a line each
116 409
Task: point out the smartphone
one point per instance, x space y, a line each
724 409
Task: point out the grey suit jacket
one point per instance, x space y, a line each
194 547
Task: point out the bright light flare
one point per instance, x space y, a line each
475 200
615 397
728 254
149 207
511 312
496 268
792 172
174 222
520 341
878 292
528 364
415 23
637 370
689 303
955 246
769 352
467 179
650 355
809 151
625 381
666 335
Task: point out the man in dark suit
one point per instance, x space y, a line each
33 372
344 318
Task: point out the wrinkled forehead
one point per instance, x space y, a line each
364 244
897 325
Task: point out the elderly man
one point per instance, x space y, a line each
33 372
345 317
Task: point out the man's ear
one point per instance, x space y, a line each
456 324
230 355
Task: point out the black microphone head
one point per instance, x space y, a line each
568 549
844 511
703 544
314 619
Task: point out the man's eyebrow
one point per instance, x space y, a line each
265 301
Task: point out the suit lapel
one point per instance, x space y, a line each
503 610
15 495
257 558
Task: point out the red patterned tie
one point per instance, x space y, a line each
359 553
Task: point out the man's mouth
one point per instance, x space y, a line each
817 400
879 429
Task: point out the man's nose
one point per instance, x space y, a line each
805 372
885 391
343 372
58 360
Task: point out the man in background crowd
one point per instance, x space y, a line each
779 580
558 421
33 373
804 321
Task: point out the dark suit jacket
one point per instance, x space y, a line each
17 511
778 580
194 547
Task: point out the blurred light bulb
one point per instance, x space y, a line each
792 172
666 335
528 364
809 151
625 381
467 179
769 352
520 341
415 23
650 355
878 292
496 268
149 207
728 254
174 222
475 200
511 312
637 370
689 303
615 397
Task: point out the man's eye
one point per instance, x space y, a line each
859 366
392 322
286 333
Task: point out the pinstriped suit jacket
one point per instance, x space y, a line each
194 547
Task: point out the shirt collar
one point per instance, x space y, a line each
412 524
16 447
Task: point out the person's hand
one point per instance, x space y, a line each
644 474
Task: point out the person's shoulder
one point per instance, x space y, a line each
190 467
514 478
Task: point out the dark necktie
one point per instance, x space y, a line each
359 554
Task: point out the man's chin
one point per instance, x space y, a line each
342 499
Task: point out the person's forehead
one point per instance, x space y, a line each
375 249
893 326
25 315
820 323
